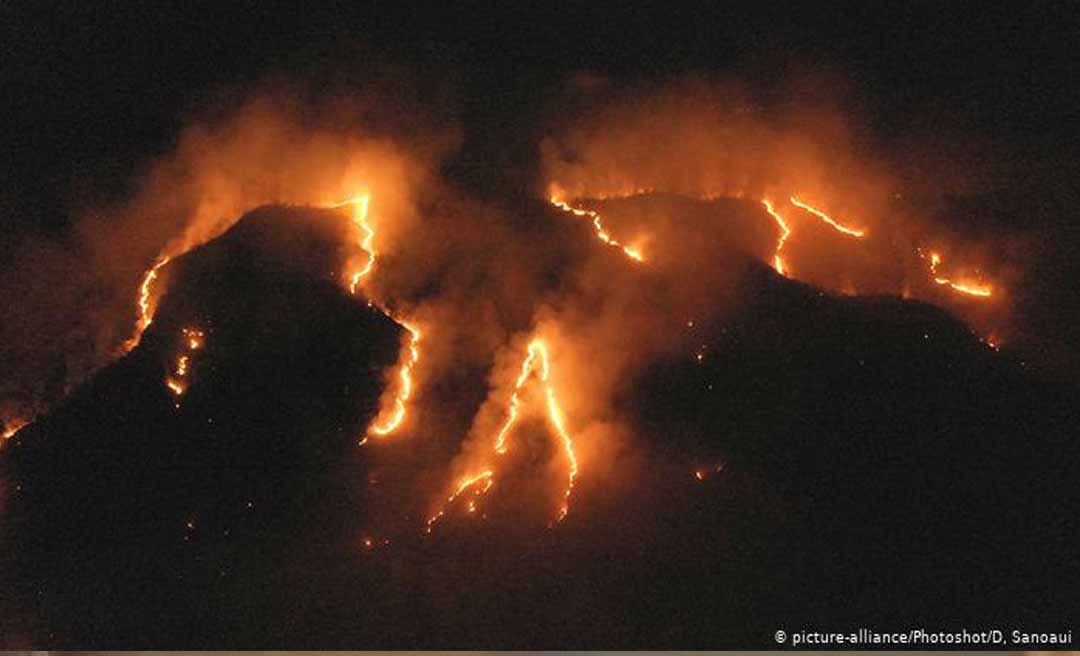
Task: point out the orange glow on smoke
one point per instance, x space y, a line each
146 315
598 226
536 361
785 232
360 206
827 219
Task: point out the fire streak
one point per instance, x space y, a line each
485 477
146 315
535 360
406 385
826 218
360 215
785 232
11 427
601 234
982 291
360 205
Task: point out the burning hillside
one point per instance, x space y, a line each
728 465
325 396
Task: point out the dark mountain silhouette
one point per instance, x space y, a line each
865 462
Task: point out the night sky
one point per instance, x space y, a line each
90 91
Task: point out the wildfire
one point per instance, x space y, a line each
192 339
526 368
971 289
785 232
146 315
359 216
536 360
601 234
391 424
391 419
484 477
827 219
13 426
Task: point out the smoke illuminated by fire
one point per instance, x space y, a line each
708 141
448 280
360 206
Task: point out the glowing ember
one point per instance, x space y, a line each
470 482
192 339
826 218
601 234
785 232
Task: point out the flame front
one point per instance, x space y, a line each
12 426
785 232
145 311
970 289
601 234
536 361
391 417
360 206
397 416
484 477
827 219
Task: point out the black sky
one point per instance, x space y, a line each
91 89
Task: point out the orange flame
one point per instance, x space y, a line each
785 232
391 424
827 219
396 416
468 482
601 234
536 359
11 427
971 289
359 216
146 315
